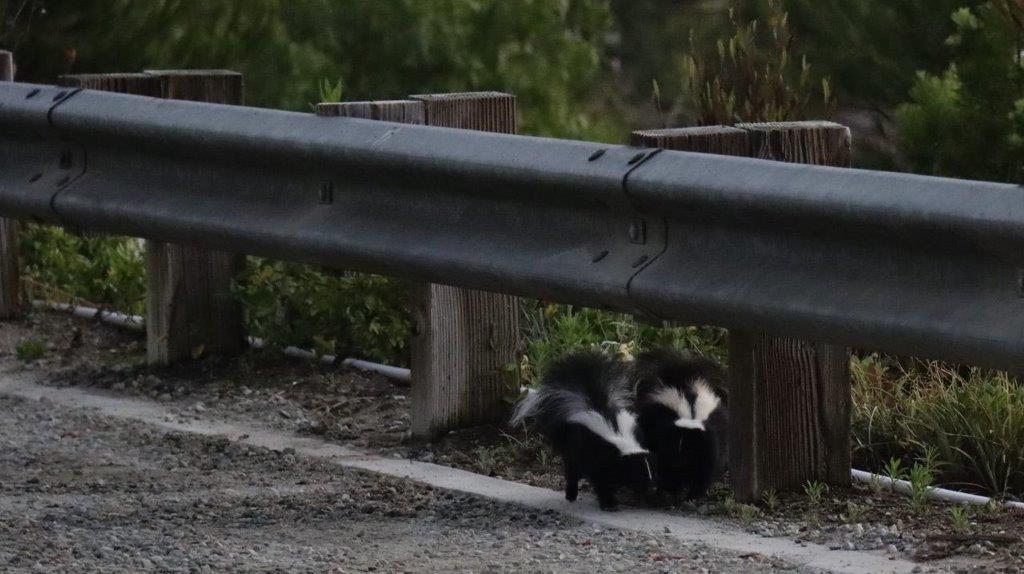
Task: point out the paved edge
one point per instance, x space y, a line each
707 531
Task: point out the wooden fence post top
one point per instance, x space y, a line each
401 111
481 111
721 140
214 86
6 66
124 83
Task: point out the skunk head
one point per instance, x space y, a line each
690 406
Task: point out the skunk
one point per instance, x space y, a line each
583 408
684 422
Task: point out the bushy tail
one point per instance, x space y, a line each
526 407
573 384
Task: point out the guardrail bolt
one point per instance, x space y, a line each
638 231
596 154
327 192
66 159
600 256
636 158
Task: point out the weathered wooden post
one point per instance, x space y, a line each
790 402
10 278
189 307
463 339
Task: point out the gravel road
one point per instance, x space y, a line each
83 492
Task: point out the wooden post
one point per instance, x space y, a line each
137 84
463 340
790 404
10 277
190 311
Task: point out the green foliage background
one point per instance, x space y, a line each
547 52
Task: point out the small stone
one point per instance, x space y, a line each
199 407
891 549
164 397
668 530
858 529
850 545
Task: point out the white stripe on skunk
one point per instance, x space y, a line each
623 439
690 416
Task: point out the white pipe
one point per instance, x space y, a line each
932 492
133 322
396 373
138 323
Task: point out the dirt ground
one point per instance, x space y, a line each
372 413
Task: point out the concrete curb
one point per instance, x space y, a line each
708 531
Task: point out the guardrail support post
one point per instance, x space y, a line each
10 278
790 403
189 307
463 340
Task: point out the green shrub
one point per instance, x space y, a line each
103 271
351 314
552 330
30 350
969 120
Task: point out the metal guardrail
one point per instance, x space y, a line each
904 263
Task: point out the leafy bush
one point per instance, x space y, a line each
551 331
30 350
351 314
969 425
102 271
871 48
969 121
546 52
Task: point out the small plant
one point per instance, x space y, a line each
921 480
30 350
894 469
330 92
753 76
854 512
485 461
770 498
748 514
815 491
745 512
958 518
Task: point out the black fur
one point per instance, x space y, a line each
575 384
687 459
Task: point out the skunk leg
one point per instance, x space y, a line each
605 495
572 483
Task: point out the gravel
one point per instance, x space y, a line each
82 492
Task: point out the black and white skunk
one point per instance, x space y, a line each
583 407
683 419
